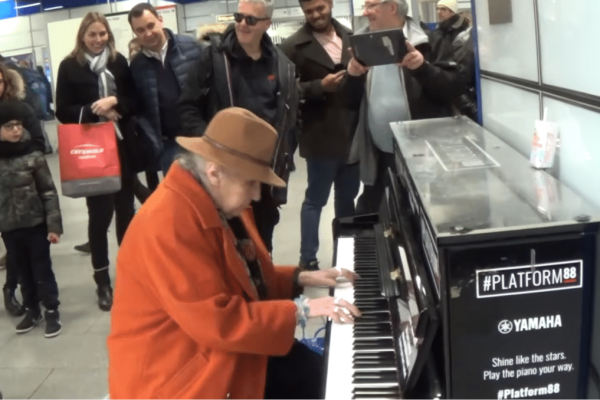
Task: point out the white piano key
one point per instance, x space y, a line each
341 338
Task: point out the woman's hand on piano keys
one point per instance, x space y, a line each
325 277
339 310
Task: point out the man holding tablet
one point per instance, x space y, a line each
422 86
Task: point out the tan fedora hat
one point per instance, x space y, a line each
239 141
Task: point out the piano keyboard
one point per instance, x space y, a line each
361 360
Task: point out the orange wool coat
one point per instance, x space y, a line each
186 321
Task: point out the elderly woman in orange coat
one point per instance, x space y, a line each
199 309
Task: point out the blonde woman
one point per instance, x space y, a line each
94 83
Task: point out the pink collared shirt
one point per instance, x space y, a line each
332 44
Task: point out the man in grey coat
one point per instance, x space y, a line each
422 86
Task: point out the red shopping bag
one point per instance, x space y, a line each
89 159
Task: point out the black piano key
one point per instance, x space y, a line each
376 380
386 376
371 333
380 317
377 391
374 364
383 355
380 344
371 329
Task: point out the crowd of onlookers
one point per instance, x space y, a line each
310 89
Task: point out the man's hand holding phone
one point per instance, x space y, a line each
332 81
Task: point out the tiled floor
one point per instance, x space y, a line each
74 365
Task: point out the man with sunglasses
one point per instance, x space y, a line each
422 86
320 51
243 68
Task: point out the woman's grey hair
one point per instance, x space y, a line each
194 164
402 7
267 3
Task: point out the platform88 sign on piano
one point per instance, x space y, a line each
516 331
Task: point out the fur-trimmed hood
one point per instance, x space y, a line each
14 85
205 30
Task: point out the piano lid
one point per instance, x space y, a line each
469 181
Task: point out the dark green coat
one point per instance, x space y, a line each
28 196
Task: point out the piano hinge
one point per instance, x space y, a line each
388 232
395 274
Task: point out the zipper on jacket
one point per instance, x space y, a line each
228 73
283 125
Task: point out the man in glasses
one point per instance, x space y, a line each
243 68
320 51
422 86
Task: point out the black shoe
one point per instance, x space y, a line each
105 297
84 248
53 325
11 304
310 266
31 320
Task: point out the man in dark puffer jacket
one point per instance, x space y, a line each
30 218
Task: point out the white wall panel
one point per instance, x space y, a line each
579 151
40 38
341 9
40 21
510 113
568 34
509 49
16 41
205 8
14 25
81 12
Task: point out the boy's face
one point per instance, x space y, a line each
11 131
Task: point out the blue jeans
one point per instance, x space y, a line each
322 175
170 150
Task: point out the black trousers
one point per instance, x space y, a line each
100 212
28 253
297 375
266 216
370 200
12 276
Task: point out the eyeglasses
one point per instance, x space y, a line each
250 19
12 125
371 6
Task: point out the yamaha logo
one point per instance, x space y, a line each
505 327
530 324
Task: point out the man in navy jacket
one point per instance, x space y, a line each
166 58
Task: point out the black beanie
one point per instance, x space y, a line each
12 110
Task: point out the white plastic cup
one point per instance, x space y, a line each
543 149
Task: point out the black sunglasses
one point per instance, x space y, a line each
250 20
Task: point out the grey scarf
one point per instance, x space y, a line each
106 80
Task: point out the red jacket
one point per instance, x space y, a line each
186 321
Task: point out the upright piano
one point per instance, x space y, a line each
477 276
